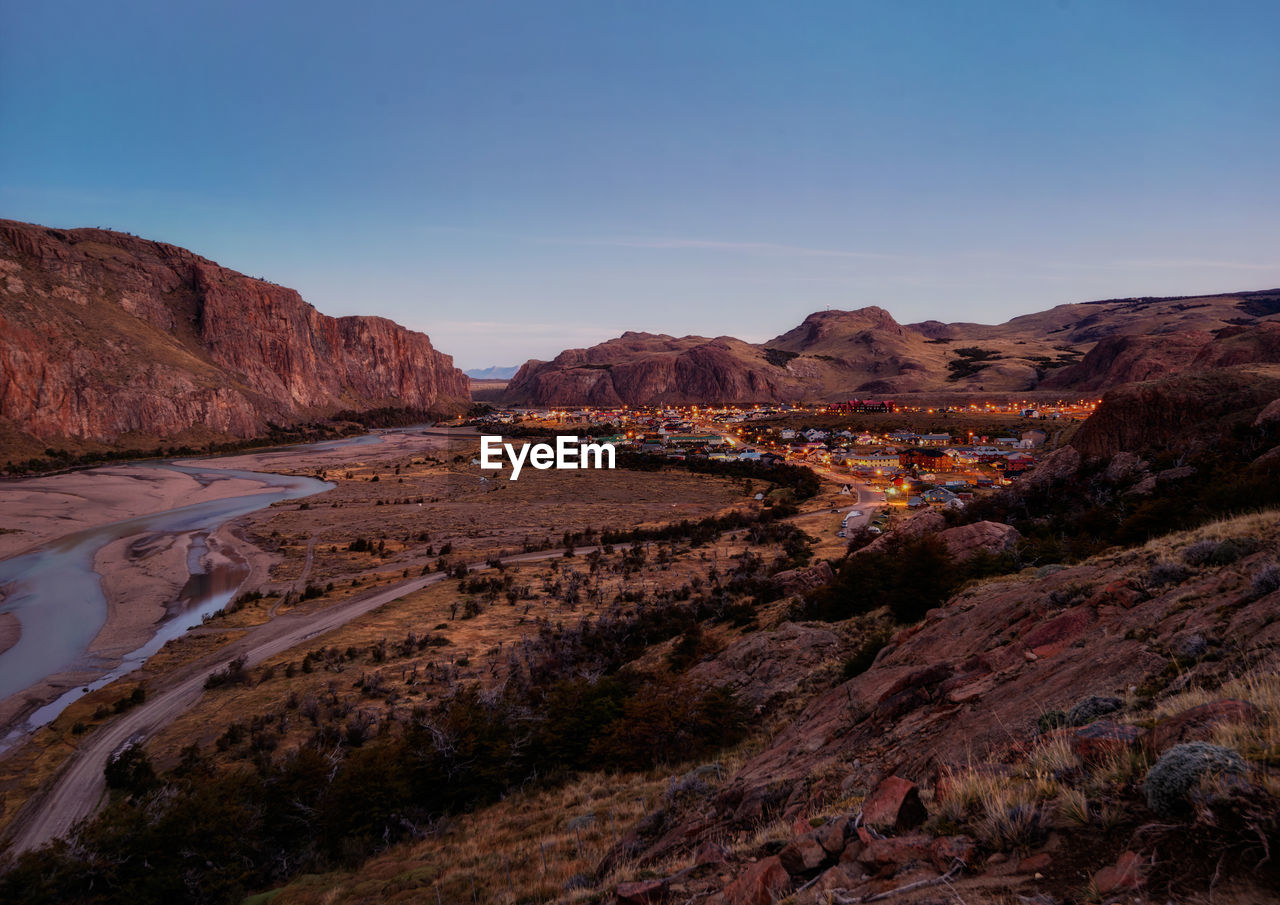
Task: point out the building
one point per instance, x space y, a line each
863 406
929 459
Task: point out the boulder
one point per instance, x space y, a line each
802 855
710 853
801 581
980 537
1098 741
947 850
894 806
885 857
762 884
642 892
831 835
1128 873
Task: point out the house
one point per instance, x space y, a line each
939 496
930 459
1033 439
935 439
787 434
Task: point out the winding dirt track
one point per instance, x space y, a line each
79 789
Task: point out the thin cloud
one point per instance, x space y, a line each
1196 263
681 244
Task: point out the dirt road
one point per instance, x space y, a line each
79 788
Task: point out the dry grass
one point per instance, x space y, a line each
535 846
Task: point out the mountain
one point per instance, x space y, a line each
834 355
103 335
496 372
644 368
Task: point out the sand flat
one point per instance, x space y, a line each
39 510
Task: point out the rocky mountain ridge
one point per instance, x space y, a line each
833 355
104 335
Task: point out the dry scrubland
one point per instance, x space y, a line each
1044 812
416 508
308 542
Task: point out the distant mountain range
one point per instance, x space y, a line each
493 373
840 354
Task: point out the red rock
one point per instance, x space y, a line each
802 855
1102 739
947 850
887 856
831 835
642 892
1128 358
929 678
1060 630
1128 873
894 805
710 853
1197 724
1035 863
1120 593
762 884
178 341
837 878
853 848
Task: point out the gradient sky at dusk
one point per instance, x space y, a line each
519 177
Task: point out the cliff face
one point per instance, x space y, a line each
103 334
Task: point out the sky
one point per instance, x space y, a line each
515 177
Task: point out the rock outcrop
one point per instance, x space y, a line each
1177 412
1126 359
104 334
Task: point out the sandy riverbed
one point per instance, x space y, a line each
38 510
143 576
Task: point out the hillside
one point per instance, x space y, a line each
104 335
646 368
834 355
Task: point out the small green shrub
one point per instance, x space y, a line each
1054 719
1169 783
1092 708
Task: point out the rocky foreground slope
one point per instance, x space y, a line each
103 335
834 355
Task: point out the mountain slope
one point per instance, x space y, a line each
643 368
833 355
103 334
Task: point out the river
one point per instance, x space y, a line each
57 596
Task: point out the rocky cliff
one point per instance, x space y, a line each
104 334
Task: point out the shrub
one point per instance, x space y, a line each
1054 719
129 770
1169 783
1266 580
1166 572
1198 553
1091 708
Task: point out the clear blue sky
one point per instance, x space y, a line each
519 177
